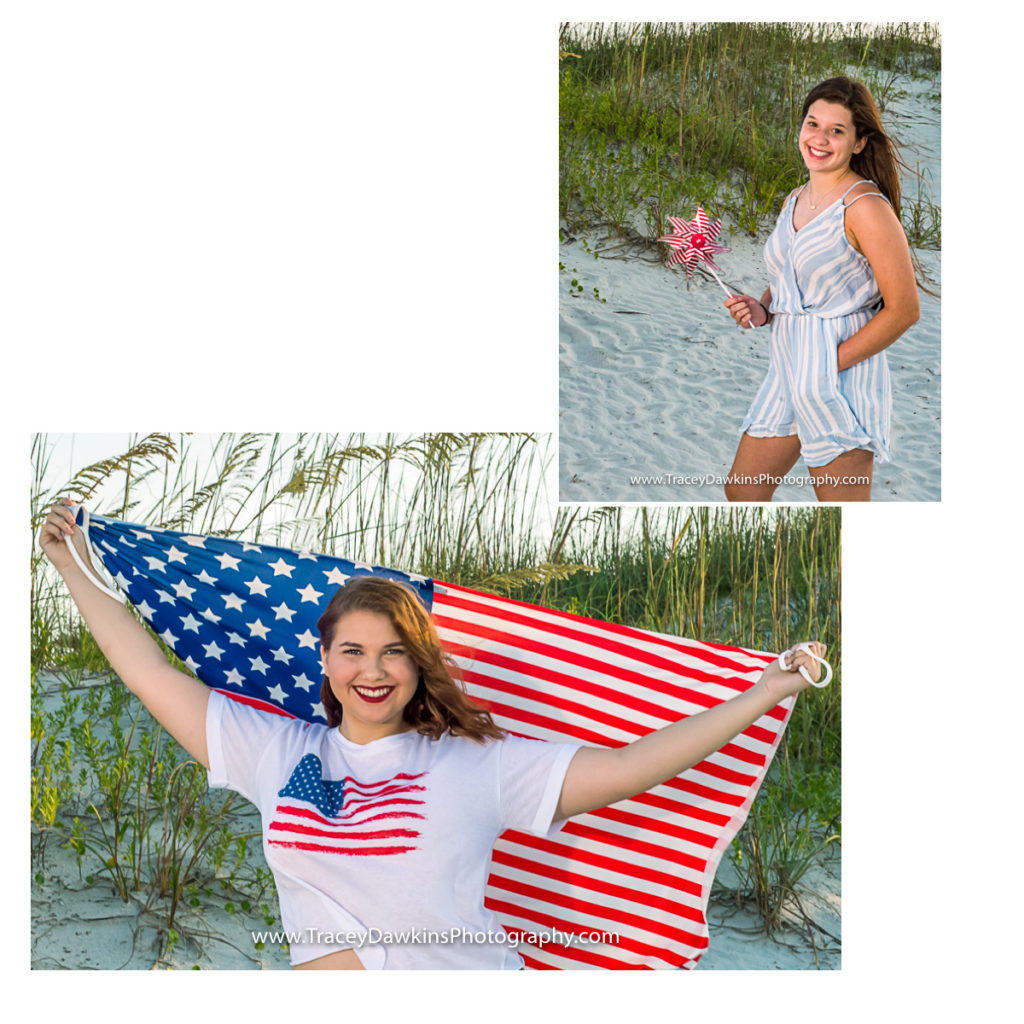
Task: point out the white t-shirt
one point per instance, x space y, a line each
385 847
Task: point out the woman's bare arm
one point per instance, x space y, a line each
599 776
177 701
876 233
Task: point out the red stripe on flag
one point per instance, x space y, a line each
448 593
688 810
580 880
649 824
531 670
673 688
577 954
254 702
342 820
575 707
482 681
576 732
601 912
588 855
345 833
554 923
355 851
670 854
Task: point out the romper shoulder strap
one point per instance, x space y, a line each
863 181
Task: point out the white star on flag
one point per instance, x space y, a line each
212 650
282 611
258 629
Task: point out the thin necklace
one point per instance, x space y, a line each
814 206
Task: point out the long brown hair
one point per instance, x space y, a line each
879 160
439 704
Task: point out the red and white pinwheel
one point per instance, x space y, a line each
694 241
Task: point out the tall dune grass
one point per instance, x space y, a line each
470 509
655 118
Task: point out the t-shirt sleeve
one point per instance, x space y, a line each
530 781
238 737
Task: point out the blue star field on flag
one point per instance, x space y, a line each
242 617
307 783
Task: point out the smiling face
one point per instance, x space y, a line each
371 674
828 139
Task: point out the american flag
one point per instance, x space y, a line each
242 616
347 816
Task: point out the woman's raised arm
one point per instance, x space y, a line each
599 776
177 701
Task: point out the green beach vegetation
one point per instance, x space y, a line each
470 509
655 118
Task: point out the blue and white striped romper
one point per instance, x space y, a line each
823 291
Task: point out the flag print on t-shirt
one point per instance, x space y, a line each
360 819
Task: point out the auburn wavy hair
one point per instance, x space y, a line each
439 704
879 160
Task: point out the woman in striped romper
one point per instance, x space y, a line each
842 289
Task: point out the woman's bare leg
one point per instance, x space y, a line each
846 478
759 466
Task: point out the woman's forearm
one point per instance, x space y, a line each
663 754
877 334
132 652
600 776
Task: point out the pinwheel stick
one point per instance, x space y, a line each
728 293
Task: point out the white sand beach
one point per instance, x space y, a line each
78 925
654 381
79 922
82 925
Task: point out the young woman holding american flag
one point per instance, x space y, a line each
381 822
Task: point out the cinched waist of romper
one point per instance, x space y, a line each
827 316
